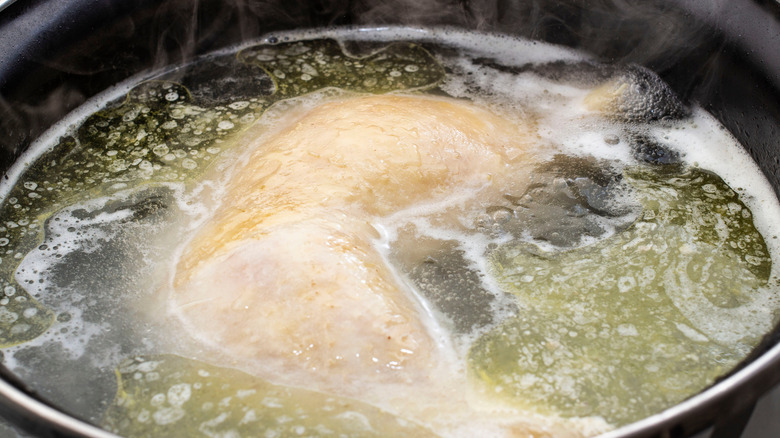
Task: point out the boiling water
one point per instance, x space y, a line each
623 266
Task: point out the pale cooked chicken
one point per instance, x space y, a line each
286 272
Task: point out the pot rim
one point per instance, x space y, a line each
757 376
708 407
23 406
5 3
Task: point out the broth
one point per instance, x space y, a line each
390 231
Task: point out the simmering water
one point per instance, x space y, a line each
384 232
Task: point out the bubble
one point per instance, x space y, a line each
117 165
179 394
626 283
158 399
144 416
225 125
20 328
168 415
160 149
627 330
188 163
709 188
240 105
7 317
308 70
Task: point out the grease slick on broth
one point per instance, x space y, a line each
384 232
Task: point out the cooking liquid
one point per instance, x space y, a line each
534 295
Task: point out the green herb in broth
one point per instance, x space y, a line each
635 323
163 131
176 397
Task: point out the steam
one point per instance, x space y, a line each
144 35
20 121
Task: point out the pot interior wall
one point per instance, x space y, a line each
56 54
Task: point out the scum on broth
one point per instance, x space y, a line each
546 299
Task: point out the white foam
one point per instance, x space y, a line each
707 144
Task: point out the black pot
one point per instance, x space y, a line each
722 54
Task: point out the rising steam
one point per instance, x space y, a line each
64 64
